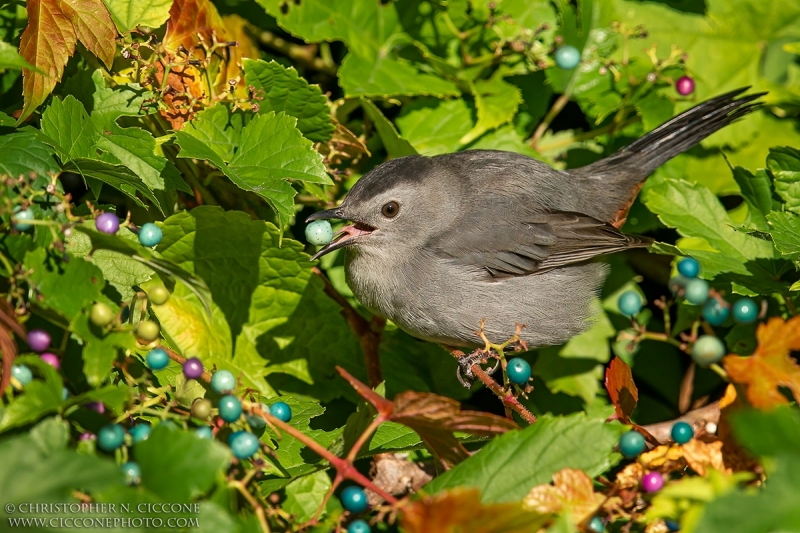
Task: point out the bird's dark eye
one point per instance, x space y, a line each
391 209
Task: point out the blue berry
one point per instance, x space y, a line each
110 437
243 444
22 373
230 408
567 57
745 310
20 217
696 291
707 349
319 233
132 473
281 411
519 371
139 432
595 525
204 432
150 234
358 526
672 526
157 358
682 432
223 381
689 267
715 312
629 303
107 223
354 499
631 444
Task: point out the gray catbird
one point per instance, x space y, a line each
439 243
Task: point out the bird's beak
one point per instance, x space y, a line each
347 235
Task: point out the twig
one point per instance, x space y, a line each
306 54
558 105
699 419
508 399
262 519
181 360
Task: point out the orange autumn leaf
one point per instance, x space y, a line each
54 27
700 455
621 389
572 490
770 367
461 510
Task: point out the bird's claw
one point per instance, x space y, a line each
464 371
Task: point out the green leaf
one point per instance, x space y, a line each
134 148
108 104
511 464
100 350
128 14
394 144
22 152
434 126
757 193
40 397
10 58
66 288
767 434
179 466
304 495
67 124
785 230
784 163
497 102
269 151
284 90
118 176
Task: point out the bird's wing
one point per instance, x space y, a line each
537 243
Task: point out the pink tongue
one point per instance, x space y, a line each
350 232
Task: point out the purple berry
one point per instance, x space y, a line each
87 436
51 360
684 85
652 482
38 340
193 368
107 223
96 406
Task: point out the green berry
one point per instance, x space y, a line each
223 381
22 374
20 218
567 57
595 525
354 499
696 291
158 295
682 432
358 526
147 330
689 267
132 473
150 234
629 303
745 310
518 370
243 444
319 233
281 411
157 359
230 408
101 315
631 444
707 350
716 312
110 437
201 408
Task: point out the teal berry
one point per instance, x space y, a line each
230 408
281 411
110 437
64 394
140 432
745 310
631 444
354 499
689 267
20 216
22 374
358 526
132 473
243 444
595 525
319 233
716 312
150 234
204 432
157 359
567 57
696 291
629 303
223 381
707 350
257 421
519 371
682 432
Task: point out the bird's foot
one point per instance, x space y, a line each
464 371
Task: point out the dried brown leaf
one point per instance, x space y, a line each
700 455
621 389
572 490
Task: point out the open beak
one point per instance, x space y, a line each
346 236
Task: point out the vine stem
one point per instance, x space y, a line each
558 105
257 507
508 399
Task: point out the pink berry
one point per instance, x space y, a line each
51 359
38 340
684 85
652 482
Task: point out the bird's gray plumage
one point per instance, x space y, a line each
500 236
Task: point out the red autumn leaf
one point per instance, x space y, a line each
621 389
461 510
435 418
54 27
8 346
770 366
